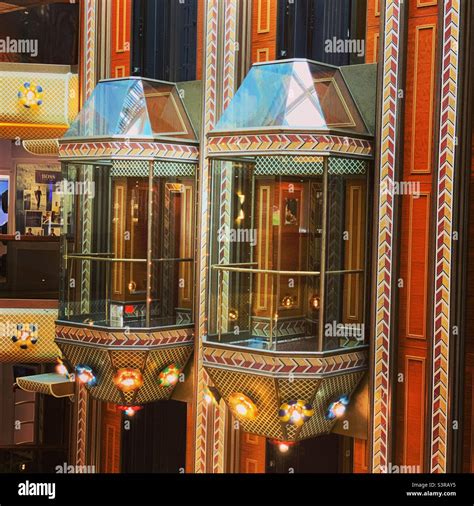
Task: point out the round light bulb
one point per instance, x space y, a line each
283 447
171 378
241 409
339 409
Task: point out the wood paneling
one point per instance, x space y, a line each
111 428
373 31
468 408
120 37
361 456
420 95
252 453
415 404
417 265
354 250
414 242
264 30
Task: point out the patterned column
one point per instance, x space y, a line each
443 235
89 47
203 411
211 421
385 282
81 424
88 79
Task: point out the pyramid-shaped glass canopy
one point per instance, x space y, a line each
293 95
133 108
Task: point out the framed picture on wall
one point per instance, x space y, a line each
33 219
291 211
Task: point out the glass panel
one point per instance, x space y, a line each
296 94
122 268
166 111
344 309
266 257
344 303
133 108
172 249
114 108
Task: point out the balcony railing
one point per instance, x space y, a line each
159 297
282 310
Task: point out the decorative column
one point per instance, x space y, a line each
211 421
386 174
443 267
88 81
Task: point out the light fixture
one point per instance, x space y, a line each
283 446
337 408
295 412
314 302
130 410
128 379
26 336
61 368
233 314
211 395
132 286
243 406
169 376
85 375
288 301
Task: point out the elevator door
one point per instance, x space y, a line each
156 439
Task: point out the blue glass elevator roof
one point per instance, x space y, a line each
134 108
293 94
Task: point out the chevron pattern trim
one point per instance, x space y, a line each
86 335
203 410
230 26
388 162
127 150
86 239
90 48
279 365
291 144
444 216
81 425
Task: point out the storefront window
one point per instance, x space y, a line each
288 259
